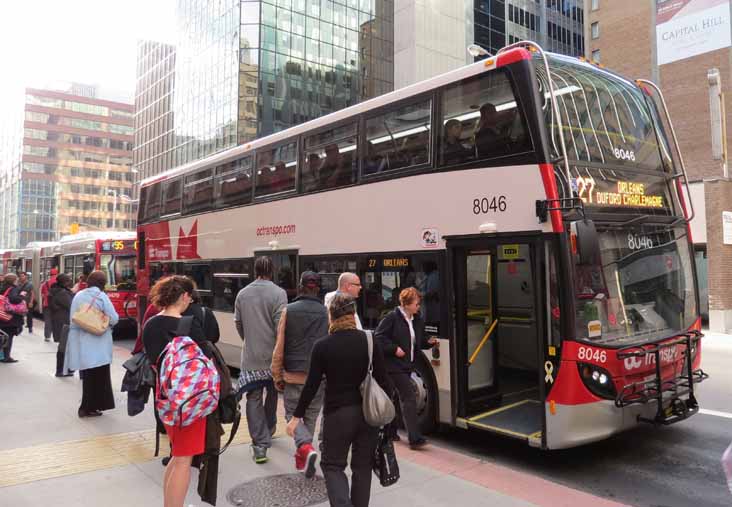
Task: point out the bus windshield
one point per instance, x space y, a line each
605 118
120 271
641 291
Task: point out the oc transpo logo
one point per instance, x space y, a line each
632 362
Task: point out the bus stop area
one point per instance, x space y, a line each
49 456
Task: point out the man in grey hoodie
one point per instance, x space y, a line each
257 312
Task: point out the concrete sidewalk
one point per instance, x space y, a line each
48 456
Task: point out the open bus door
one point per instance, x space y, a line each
499 327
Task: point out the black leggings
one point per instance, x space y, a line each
403 384
11 332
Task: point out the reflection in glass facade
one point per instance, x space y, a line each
557 25
246 69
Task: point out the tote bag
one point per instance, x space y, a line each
378 409
91 319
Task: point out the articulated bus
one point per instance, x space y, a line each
115 253
535 200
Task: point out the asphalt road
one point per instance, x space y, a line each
675 466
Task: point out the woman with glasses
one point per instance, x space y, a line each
401 335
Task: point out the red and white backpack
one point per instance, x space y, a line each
188 384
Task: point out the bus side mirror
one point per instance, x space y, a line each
588 243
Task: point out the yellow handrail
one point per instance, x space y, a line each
482 342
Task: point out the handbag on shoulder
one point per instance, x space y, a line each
385 463
91 319
378 409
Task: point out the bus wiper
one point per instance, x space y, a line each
635 220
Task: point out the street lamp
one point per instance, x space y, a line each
122 196
475 51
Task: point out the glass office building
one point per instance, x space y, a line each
246 69
557 25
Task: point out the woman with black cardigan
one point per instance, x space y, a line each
342 357
401 335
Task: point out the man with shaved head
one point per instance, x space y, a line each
348 283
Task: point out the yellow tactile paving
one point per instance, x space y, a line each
47 461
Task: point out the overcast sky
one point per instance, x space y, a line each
86 41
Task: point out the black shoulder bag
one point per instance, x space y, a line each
385 463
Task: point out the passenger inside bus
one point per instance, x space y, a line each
310 174
490 140
453 149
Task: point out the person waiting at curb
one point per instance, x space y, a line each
60 297
302 323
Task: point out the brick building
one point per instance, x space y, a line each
676 44
65 158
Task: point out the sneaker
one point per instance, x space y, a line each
259 454
9 360
300 459
418 444
47 339
311 457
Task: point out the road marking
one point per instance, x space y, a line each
715 413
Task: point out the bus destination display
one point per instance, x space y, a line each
119 246
620 194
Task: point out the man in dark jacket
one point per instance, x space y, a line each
303 322
59 304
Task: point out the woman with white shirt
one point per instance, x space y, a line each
401 335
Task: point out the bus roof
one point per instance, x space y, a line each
452 76
94 235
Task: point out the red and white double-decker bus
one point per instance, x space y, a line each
534 200
115 253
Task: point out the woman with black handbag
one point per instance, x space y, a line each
342 357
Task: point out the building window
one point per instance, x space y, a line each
595 4
596 55
595 27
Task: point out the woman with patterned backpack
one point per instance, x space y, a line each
160 338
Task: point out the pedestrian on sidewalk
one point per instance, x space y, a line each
26 289
257 311
343 359
172 295
60 297
80 284
349 284
303 322
14 326
91 354
401 335
45 288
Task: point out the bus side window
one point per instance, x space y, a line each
229 277
172 197
198 191
331 159
233 183
276 169
398 139
481 120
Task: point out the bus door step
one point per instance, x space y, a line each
522 420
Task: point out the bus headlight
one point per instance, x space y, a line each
597 380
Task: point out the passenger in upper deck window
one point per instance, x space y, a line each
329 171
490 141
312 167
453 149
280 179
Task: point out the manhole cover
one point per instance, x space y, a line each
288 490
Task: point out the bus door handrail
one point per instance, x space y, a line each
482 343
553 97
676 142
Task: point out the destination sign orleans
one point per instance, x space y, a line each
624 193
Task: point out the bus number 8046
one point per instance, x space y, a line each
489 205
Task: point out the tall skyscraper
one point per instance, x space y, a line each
66 159
246 69
433 36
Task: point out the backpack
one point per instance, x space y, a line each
188 383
